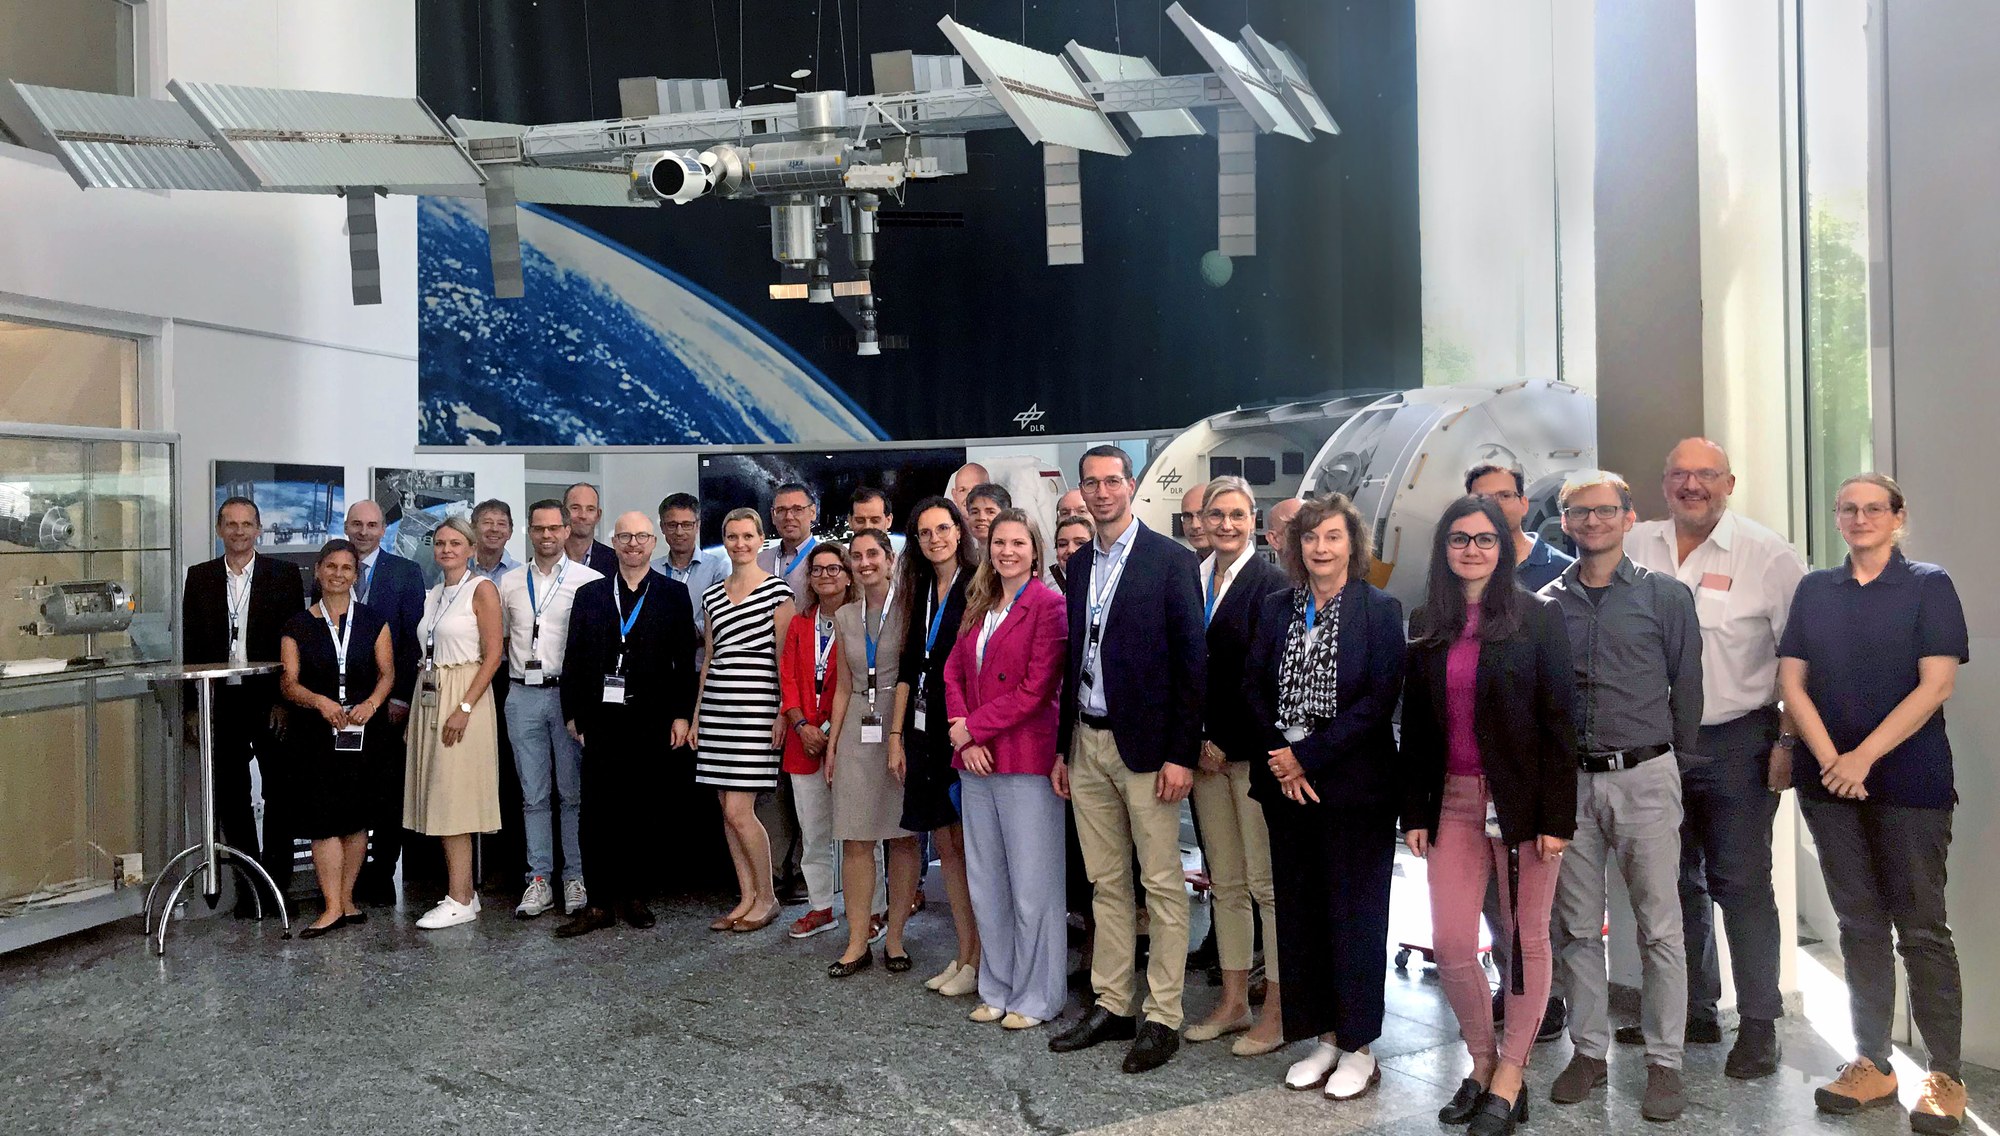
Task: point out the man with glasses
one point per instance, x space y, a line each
580 504
1743 576
1131 731
684 563
1536 561
535 607
1070 504
793 511
1191 519
1637 652
628 671
493 520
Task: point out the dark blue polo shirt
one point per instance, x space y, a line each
1861 645
1542 565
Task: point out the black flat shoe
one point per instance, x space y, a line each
838 969
896 964
357 917
1464 1103
312 932
1495 1117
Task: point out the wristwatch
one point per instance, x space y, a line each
1787 741
465 707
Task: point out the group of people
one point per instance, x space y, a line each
1023 708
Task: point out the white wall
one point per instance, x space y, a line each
262 354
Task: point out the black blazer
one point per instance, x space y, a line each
277 593
1351 759
1230 630
396 592
660 677
1154 654
935 742
1523 714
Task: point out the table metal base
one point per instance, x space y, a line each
224 854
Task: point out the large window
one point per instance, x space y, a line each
85 45
62 377
1834 102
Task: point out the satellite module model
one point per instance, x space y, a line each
825 159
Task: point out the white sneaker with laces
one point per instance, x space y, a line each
1310 1070
965 981
536 900
1355 1075
575 898
449 913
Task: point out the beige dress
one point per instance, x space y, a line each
452 790
867 799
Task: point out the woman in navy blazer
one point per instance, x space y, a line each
1325 671
1002 685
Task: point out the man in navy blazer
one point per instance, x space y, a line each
393 586
234 609
1131 729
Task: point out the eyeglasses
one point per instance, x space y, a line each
1485 540
1093 484
826 570
1705 476
790 510
629 540
1188 518
1502 497
548 529
1217 516
680 526
1577 514
1873 510
943 529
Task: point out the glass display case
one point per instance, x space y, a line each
89 597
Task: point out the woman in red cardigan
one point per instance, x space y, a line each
806 670
1001 687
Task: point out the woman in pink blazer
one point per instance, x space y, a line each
1002 683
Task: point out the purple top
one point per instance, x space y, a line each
1461 675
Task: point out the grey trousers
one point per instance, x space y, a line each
1631 818
1885 869
1726 862
1014 865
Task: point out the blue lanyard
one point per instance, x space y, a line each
626 622
1313 609
869 638
804 551
824 627
1208 605
937 620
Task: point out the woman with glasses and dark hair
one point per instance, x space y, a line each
938 562
1489 759
738 733
867 798
338 665
806 680
1321 684
1869 657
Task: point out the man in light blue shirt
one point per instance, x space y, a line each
680 523
493 520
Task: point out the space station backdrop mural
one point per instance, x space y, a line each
658 326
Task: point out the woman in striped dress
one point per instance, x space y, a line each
738 736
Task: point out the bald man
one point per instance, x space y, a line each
1278 521
1070 505
969 476
1191 530
393 586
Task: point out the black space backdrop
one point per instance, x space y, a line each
1133 339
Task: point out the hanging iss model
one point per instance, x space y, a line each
826 159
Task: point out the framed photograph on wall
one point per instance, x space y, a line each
301 505
414 503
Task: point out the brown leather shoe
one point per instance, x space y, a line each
1941 1107
585 921
1577 1081
1860 1085
1666 1098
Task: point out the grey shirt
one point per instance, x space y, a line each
1638 659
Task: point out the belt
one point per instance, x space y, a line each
547 680
1094 721
1610 761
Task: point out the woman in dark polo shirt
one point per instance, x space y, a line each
1868 659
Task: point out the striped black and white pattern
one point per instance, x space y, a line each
740 699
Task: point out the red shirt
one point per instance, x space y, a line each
796 682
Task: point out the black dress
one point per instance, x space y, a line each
330 789
928 776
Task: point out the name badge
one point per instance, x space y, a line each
614 689
531 675
348 739
427 689
871 730
917 716
1492 821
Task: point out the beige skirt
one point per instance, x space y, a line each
452 790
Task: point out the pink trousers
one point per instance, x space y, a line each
1461 855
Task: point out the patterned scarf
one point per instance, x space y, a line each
1308 677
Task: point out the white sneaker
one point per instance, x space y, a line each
449 913
942 976
964 981
1310 1070
575 898
1355 1075
537 899
985 1013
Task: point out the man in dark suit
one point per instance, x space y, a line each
580 505
628 665
234 609
1131 727
393 586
